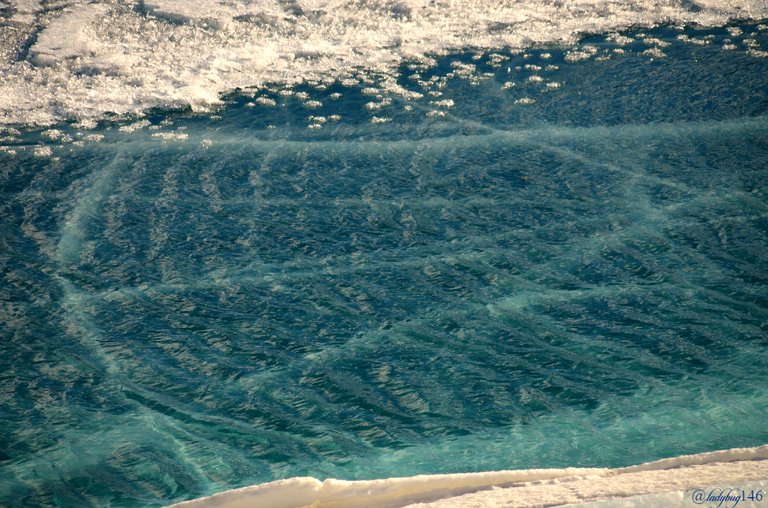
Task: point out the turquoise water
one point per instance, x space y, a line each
566 269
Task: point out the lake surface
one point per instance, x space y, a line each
541 258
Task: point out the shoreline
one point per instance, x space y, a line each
671 478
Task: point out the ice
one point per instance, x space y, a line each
87 60
25 10
73 35
211 12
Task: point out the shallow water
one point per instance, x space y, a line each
556 258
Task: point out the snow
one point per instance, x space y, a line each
88 59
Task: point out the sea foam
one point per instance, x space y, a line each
90 60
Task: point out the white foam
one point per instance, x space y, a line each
533 487
88 59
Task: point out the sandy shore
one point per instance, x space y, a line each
662 488
688 480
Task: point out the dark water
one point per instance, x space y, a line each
536 276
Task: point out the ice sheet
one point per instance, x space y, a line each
82 60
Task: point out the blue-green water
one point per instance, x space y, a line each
538 276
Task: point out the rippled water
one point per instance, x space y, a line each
557 258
